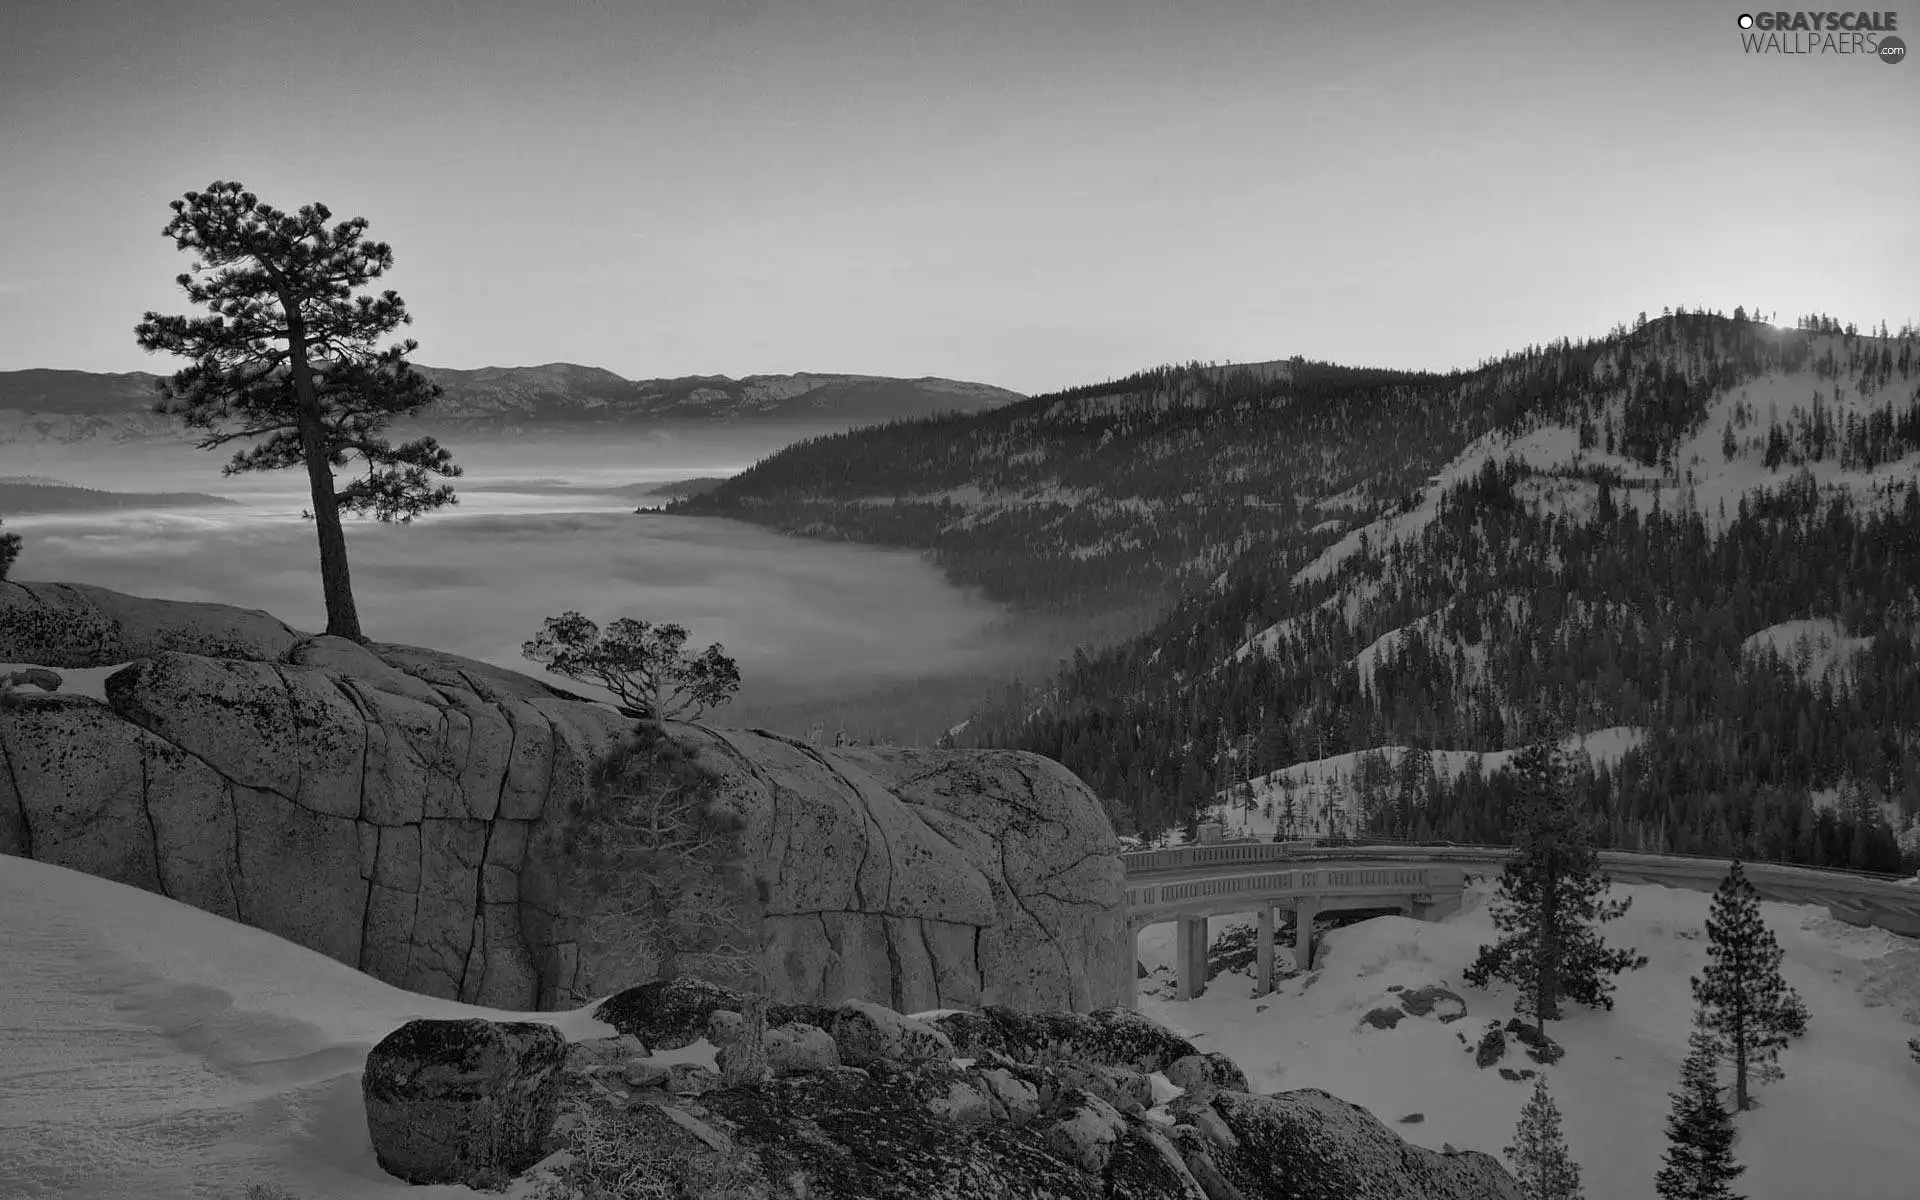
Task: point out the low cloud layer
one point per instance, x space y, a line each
805 620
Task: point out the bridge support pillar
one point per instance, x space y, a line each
1263 952
1303 911
1190 955
1440 905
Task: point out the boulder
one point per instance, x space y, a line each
1434 1001
1309 1145
667 1014
1540 1047
594 1056
1016 1099
78 625
798 1049
1111 1037
865 1033
1085 1131
468 1102
1383 1018
849 1135
415 815
1491 1048
1128 1090
1203 1075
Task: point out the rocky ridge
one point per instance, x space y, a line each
861 1101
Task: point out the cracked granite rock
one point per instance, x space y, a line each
401 810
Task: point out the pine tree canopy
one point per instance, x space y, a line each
1699 1159
288 356
1539 1155
1748 1009
1550 900
271 277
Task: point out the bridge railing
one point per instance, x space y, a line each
1413 881
1212 854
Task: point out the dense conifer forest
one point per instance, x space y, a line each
1590 593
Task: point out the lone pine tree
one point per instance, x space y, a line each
1541 1164
288 355
1549 900
1749 1011
1699 1159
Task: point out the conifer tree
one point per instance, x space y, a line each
1749 1010
1699 1160
1549 900
1541 1164
288 355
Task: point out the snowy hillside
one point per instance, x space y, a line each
1817 650
1842 1125
1700 476
1326 791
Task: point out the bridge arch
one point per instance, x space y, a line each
1189 893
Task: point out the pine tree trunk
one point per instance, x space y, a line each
1739 1062
336 582
747 1063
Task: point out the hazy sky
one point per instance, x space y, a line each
1029 194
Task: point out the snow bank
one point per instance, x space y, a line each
149 1050
1842 1125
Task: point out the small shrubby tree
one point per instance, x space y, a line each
1550 900
289 356
655 863
646 666
1699 1159
1541 1164
1749 1010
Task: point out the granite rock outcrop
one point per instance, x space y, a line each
413 813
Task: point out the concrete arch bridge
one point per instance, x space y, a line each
1190 884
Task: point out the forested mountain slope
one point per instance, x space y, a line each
1131 492
1632 554
1614 534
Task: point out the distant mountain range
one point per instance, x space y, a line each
78 406
35 494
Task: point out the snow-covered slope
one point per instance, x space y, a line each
1816 649
150 1051
1701 475
1335 779
1843 1125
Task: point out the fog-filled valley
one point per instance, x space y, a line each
874 642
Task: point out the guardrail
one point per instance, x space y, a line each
1307 850
1363 879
